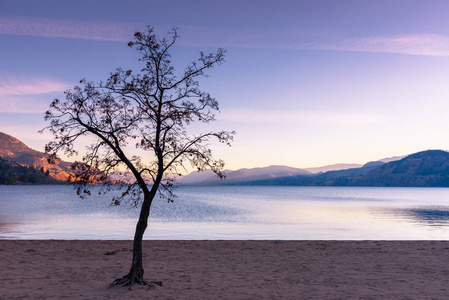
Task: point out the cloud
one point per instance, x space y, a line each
90 30
28 95
412 44
21 87
298 117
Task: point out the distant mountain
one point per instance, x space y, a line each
335 167
242 175
198 177
338 167
383 161
20 164
13 150
277 173
428 169
423 169
390 159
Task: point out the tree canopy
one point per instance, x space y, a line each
150 108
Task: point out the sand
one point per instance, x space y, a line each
227 269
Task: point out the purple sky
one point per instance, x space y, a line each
305 83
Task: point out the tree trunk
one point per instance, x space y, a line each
137 266
136 271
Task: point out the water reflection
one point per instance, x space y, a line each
429 216
8 226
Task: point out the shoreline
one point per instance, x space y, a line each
227 269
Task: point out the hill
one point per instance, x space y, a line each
335 167
207 177
13 173
427 169
13 150
423 169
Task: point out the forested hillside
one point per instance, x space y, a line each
13 173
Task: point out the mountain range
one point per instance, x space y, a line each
274 174
423 169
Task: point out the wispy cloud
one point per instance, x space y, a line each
24 94
33 86
298 117
90 30
412 44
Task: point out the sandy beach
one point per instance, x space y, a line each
42 269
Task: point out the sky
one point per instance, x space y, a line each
305 83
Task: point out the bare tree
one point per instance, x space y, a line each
151 110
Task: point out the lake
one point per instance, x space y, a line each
232 212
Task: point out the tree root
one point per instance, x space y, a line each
129 281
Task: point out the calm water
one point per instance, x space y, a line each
232 212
